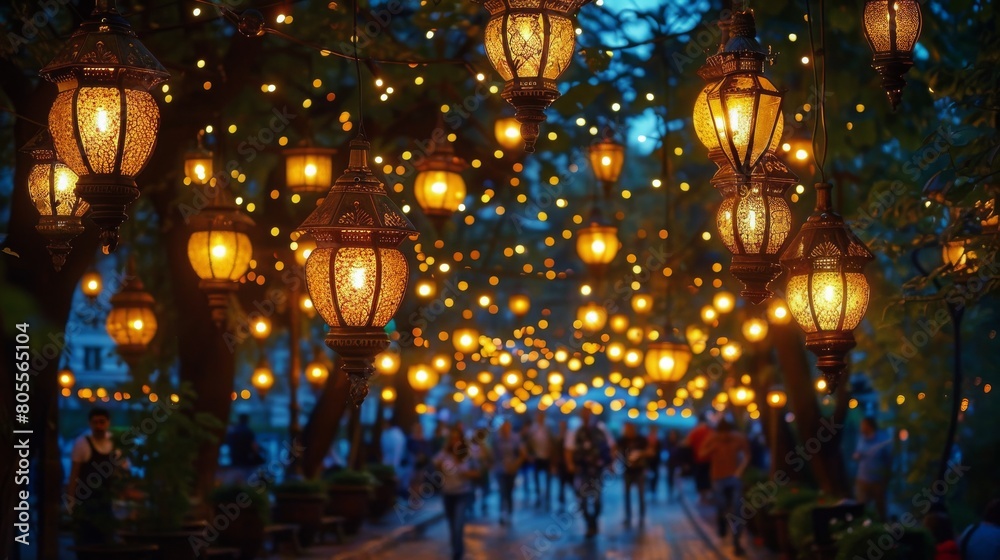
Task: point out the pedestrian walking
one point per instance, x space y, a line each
562 468
540 443
420 452
874 466
589 449
482 455
677 456
635 451
509 454
694 440
655 459
457 470
728 454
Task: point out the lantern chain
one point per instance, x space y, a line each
819 87
357 66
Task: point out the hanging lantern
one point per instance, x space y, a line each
892 29
219 250
667 361
741 395
744 106
198 164
262 378
592 316
776 397
260 328
754 329
104 121
607 157
308 169
827 289
597 244
508 132
642 304
131 323
317 371
422 378
52 187
357 275
754 222
704 128
465 340
439 186
519 304
531 43
91 284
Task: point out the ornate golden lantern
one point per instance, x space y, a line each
52 187
439 186
754 222
827 289
104 121
744 105
597 243
531 43
607 157
308 169
667 361
892 29
220 250
131 323
357 275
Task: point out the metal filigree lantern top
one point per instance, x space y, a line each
827 291
531 43
357 275
104 122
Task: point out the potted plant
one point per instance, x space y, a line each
385 494
161 446
240 514
785 500
301 502
349 493
868 540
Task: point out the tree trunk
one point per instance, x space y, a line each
828 463
324 422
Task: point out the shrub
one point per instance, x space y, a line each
863 541
349 477
234 494
302 487
788 497
381 472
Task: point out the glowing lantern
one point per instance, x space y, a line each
262 378
260 328
508 132
741 395
667 361
754 222
607 158
219 250
387 362
597 243
103 121
592 315
52 187
317 372
357 275
91 284
519 305
892 29
776 397
465 340
308 169
744 106
66 378
422 378
827 289
531 43
131 323
198 164
754 329
642 304
439 187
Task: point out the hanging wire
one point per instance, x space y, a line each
357 66
819 87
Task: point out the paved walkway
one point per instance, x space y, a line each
668 534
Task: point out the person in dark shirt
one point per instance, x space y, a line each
634 449
244 452
655 460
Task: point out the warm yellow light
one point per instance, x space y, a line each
593 316
308 169
389 394
709 314
741 395
426 288
776 398
731 351
777 312
723 302
555 379
441 363
633 357
619 322
642 304
508 133
754 329
597 244
91 284
519 304
387 363
261 328
422 378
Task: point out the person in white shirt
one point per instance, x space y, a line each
540 441
393 443
89 494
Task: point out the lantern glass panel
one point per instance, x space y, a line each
908 23
439 190
597 244
308 170
131 326
56 179
353 288
607 159
745 109
219 255
198 169
826 299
